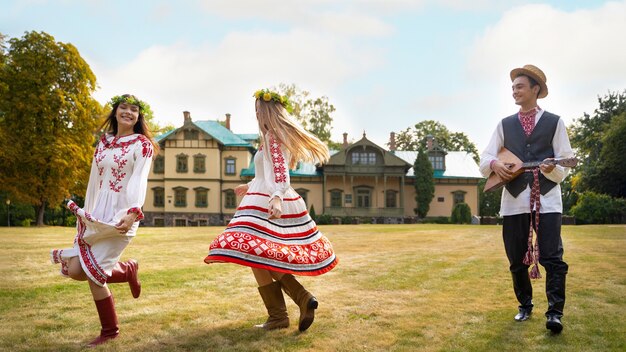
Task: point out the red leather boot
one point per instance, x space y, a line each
127 272
108 320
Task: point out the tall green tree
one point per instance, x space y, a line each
489 202
424 183
589 136
3 48
415 138
612 163
314 114
48 118
319 120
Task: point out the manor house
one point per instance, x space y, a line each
193 178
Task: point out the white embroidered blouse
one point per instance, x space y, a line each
271 165
119 178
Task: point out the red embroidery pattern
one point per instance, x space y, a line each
94 270
146 147
313 253
527 119
56 256
74 208
115 143
278 160
532 254
136 211
99 156
117 173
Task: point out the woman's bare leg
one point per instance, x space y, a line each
76 272
263 277
276 275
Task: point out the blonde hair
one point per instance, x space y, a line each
302 145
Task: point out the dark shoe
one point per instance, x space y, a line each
554 324
524 314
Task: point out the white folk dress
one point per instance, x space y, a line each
291 244
117 186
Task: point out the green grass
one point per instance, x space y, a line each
396 288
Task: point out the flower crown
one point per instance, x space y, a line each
268 95
118 99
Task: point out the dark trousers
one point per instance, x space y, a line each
515 234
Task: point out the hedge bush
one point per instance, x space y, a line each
461 214
596 208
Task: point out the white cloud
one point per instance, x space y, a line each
581 52
211 80
346 18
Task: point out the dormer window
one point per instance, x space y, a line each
363 158
438 162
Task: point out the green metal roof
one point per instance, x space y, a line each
164 135
222 134
302 170
248 136
216 130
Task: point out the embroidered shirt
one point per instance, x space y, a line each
119 177
551 202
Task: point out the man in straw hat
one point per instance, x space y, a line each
534 197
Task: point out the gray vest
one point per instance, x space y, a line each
535 147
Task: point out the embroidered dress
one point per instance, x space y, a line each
117 186
291 244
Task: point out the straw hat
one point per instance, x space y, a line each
536 74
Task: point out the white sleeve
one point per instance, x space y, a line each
138 183
562 150
276 167
94 184
491 152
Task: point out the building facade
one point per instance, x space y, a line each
193 178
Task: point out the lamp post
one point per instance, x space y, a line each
8 212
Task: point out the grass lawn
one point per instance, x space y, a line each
396 288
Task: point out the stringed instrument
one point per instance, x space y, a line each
494 182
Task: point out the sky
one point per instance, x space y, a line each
384 64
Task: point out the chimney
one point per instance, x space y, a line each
228 121
392 141
187 116
345 139
429 142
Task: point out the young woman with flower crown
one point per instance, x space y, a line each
271 231
110 217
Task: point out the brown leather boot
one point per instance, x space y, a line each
108 320
303 298
276 308
127 272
